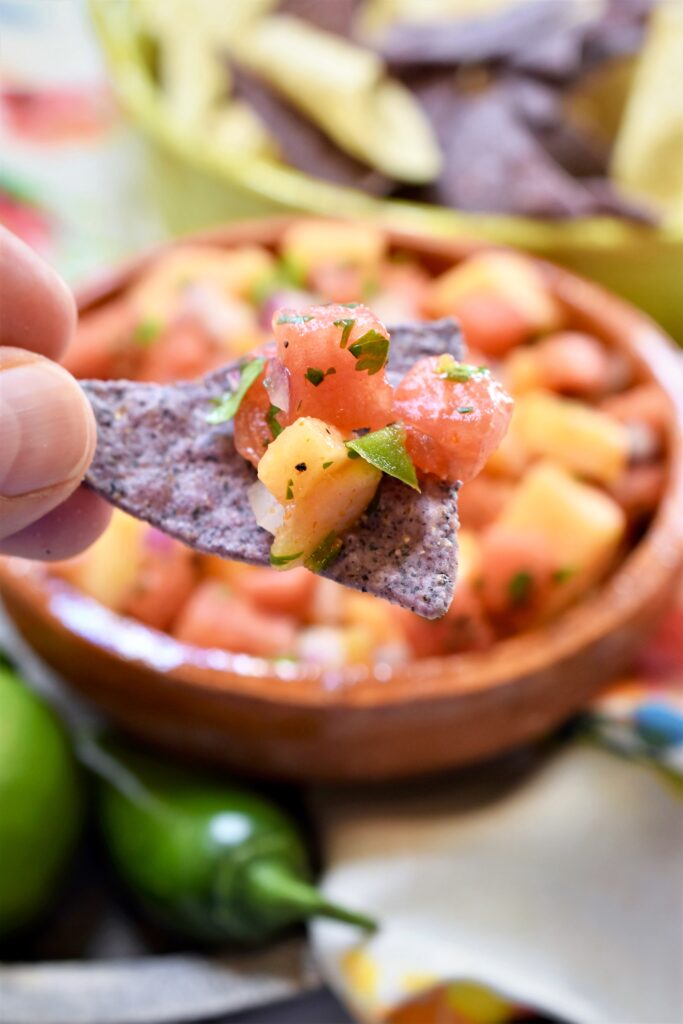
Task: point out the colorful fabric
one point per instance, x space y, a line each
74 181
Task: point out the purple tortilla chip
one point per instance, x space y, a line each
492 39
613 203
618 31
158 459
492 162
301 143
329 15
557 55
540 106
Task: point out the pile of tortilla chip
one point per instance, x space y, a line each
539 108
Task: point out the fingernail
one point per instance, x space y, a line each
46 424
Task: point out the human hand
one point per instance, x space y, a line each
47 429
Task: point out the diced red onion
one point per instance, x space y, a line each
268 512
643 442
322 645
157 541
283 298
221 315
277 384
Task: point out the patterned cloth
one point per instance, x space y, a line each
639 718
73 177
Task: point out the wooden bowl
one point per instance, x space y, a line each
301 722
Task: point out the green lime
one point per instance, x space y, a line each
40 802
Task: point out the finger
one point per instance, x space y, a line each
48 438
37 310
68 529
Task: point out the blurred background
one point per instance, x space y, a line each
553 126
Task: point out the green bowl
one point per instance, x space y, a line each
197 186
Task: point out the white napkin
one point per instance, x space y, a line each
564 893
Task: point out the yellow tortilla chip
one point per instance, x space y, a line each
343 88
648 156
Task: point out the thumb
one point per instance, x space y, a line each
48 437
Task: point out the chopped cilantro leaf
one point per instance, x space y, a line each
293 318
386 450
289 493
563 574
332 369
520 587
465 409
314 375
448 369
284 559
370 351
147 331
326 465
229 403
352 454
326 551
271 420
351 305
347 326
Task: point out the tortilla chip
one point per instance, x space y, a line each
158 459
541 106
453 41
515 175
329 15
557 56
300 142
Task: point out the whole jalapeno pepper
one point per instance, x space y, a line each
40 802
211 861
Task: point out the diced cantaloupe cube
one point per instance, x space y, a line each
301 458
469 557
231 272
313 243
522 371
308 470
508 278
511 457
370 614
107 571
582 524
588 442
510 275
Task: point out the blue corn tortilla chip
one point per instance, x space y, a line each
514 175
158 459
540 106
518 174
300 142
335 16
456 41
552 39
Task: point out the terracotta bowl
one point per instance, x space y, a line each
300 722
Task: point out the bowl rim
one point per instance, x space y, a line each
636 582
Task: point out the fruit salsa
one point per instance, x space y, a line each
321 422
570 488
